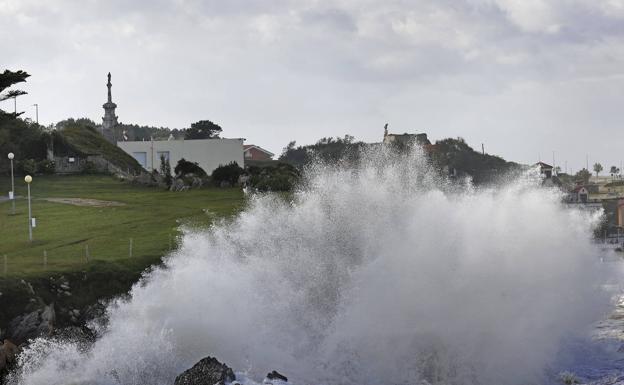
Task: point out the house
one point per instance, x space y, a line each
580 194
405 138
545 169
253 152
207 153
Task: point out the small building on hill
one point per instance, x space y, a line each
253 152
579 194
207 153
405 138
545 169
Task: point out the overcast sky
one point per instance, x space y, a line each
525 77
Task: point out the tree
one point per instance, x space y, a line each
204 129
582 175
557 170
184 167
614 171
7 79
597 168
227 175
165 170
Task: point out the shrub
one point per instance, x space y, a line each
281 177
89 168
228 173
46 166
27 167
184 167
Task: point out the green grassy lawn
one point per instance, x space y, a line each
150 216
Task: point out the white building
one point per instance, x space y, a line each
208 153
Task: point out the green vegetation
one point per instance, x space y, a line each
149 216
8 79
204 129
455 154
80 138
326 149
597 168
273 176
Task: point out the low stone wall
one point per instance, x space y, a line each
63 165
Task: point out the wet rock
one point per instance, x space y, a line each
32 325
275 375
8 354
80 334
208 371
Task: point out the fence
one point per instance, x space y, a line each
82 253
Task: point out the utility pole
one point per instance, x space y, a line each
482 149
553 160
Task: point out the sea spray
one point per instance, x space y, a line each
382 272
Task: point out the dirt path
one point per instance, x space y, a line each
85 202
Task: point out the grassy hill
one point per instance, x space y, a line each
101 214
78 138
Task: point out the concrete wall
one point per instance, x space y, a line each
208 153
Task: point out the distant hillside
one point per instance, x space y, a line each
456 154
452 156
81 138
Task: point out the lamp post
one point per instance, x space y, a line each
37 112
12 194
28 180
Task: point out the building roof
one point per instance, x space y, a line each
578 188
250 146
543 165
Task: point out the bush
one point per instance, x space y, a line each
89 168
228 174
281 177
27 167
46 166
184 167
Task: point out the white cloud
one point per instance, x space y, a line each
277 70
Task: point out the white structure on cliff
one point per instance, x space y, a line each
208 153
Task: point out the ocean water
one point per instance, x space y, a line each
381 272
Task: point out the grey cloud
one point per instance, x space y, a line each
482 69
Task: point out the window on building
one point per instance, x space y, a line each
161 154
141 157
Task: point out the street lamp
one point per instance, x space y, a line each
37 112
12 193
28 180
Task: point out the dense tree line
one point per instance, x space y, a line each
325 149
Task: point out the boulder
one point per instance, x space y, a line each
208 371
8 353
275 375
32 325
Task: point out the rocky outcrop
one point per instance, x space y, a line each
275 375
8 355
32 325
208 371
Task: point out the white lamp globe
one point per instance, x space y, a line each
11 155
28 179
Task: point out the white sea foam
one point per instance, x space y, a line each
380 273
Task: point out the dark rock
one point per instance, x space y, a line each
275 375
80 334
8 354
32 325
208 371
